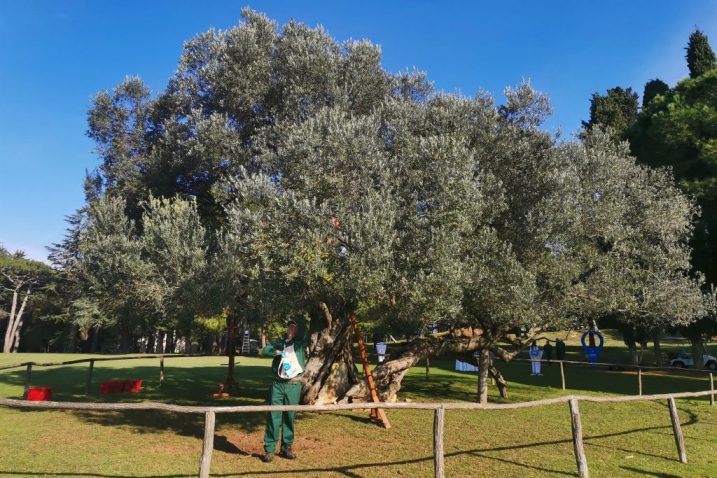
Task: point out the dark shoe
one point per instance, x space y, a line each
288 453
267 457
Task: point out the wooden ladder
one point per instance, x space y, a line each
376 413
245 344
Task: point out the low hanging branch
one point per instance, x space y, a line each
389 374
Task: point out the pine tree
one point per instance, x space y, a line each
617 109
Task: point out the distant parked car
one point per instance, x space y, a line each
683 359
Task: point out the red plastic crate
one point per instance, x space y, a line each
39 394
112 386
132 386
119 386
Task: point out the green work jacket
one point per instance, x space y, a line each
299 342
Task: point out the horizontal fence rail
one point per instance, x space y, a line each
13 403
438 421
103 359
624 366
88 384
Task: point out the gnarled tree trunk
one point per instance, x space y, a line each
169 347
698 350
331 376
330 371
483 370
657 346
150 342
159 345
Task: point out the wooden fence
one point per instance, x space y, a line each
88 383
438 420
563 382
636 368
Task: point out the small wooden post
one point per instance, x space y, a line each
712 389
438 455
89 377
28 376
161 370
578 439
677 430
207 445
639 380
490 364
562 375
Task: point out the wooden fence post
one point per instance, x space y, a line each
438 455
207 445
712 389
28 377
89 377
161 371
578 439
677 430
639 380
562 375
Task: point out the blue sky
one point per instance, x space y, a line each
55 55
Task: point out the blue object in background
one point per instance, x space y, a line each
592 352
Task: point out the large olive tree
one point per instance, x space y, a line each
332 187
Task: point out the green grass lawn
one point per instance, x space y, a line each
621 440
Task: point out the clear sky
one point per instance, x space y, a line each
54 55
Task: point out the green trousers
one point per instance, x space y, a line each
282 393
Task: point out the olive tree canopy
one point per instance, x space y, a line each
329 186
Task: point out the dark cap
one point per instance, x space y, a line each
291 321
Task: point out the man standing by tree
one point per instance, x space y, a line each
560 349
289 362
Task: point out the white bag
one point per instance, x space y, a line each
289 366
381 351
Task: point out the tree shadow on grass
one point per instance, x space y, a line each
349 471
352 471
365 419
186 424
182 386
222 443
61 474
643 472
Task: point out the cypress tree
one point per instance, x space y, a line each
700 57
653 88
